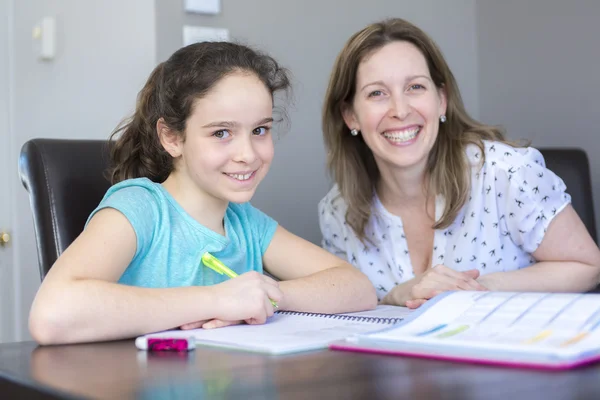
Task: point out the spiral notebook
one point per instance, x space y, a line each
537 330
292 332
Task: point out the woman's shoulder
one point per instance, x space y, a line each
499 155
333 202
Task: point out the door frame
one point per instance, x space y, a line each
9 329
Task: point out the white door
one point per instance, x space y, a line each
7 323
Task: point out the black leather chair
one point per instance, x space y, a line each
66 181
573 167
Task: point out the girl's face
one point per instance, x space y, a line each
396 106
228 146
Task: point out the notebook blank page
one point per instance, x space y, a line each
285 333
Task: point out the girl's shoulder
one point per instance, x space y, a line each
136 187
247 215
139 193
251 223
139 200
241 209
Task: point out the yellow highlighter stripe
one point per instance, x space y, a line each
217 265
540 336
574 339
453 332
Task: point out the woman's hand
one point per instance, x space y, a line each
438 279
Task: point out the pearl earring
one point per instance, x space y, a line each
442 118
354 132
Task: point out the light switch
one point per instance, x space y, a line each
45 33
202 6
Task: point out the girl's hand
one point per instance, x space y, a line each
246 298
210 324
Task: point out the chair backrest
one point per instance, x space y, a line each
65 180
573 167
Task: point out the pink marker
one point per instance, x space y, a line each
165 344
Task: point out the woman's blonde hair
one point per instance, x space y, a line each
351 162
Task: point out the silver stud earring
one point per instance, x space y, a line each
354 132
442 118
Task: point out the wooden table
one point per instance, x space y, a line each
116 370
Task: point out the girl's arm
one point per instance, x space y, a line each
568 261
314 280
79 300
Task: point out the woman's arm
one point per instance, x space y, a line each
568 261
79 300
314 280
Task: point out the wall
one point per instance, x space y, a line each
306 36
539 78
105 49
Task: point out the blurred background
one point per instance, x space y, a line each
529 65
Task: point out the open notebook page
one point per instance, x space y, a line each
557 324
291 332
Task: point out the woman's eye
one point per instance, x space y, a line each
416 86
261 130
375 93
222 134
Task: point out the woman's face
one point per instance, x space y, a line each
396 107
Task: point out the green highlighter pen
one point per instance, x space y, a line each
216 265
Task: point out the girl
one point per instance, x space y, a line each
428 199
185 167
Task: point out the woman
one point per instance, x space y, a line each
426 198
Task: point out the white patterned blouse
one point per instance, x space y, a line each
512 201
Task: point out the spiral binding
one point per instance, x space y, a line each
355 318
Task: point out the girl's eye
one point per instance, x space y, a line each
416 86
375 93
222 134
261 130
